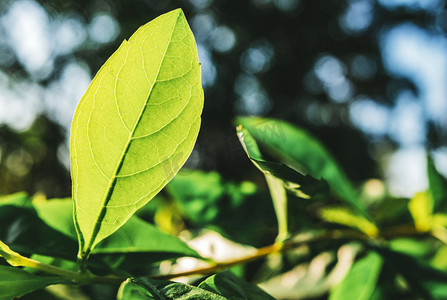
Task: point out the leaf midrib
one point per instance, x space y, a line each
113 178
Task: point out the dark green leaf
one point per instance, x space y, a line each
130 290
422 279
232 287
23 230
141 242
293 180
197 194
145 289
207 199
437 184
15 282
135 236
301 151
138 244
140 236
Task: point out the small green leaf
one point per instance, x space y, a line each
233 287
15 282
148 289
361 280
135 126
301 151
345 216
411 246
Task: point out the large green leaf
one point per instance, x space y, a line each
303 152
361 280
135 126
146 289
15 282
232 287
141 242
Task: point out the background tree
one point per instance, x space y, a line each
321 64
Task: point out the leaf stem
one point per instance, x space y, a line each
15 259
261 252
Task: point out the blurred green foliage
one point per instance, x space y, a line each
352 240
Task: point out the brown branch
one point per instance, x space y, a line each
348 234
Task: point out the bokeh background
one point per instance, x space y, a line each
367 77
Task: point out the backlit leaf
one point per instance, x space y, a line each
421 209
135 126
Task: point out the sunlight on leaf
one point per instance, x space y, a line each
135 126
421 208
344 216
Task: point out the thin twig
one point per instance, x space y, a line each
87 277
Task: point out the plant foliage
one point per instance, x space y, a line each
132 132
